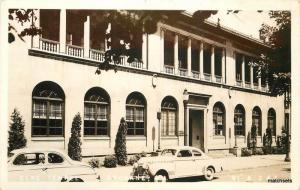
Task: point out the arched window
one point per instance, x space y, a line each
136 114
256 119
169 109
239 120
272 121
48 110
219 119
96 112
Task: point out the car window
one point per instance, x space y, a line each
184 153
29 159
196 153
55 158
168 152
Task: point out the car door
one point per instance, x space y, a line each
200 161
184 163
57 167
27 167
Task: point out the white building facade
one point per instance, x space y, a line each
194 87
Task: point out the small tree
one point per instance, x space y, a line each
253 137
249 140
120 143
16 138
74 146
269 139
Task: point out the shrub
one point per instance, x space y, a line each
246 152
143 154
94 163
267 150
110 161
154 154
16 137
133 159
253 137
74 145
258 151
120 145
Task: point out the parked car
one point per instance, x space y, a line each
47 165
175 162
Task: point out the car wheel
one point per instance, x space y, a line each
209 173
161 177
76 180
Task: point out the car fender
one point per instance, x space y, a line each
168 167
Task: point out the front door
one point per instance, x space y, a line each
196 129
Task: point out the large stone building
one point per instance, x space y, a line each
195 77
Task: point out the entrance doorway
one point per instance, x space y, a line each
196 129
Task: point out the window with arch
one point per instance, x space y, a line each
256 119
96 112
169 111
219 119
272 121
239 120
48 110
136 114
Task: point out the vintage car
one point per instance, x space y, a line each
175 162
47 165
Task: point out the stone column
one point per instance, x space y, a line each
176 55
259 82
223 65
201 65
189 58
212 63
62 31
144 50
162 46
251 76
243 70
86 37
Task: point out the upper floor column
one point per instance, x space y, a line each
62 30
86 37
162 39
201 65
259 79
243 71
223 65
189 58
176 65
212 63
251 76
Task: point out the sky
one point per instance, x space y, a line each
246 22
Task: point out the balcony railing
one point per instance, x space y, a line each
263 88
48 45
196 74
183 72
239 82
73 50
218 78
255 86
96 55
207 76
137 64
247 84
169 69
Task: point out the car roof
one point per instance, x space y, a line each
32 150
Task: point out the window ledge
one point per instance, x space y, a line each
96 138
47 138
219 137
169 137
240 136
135 137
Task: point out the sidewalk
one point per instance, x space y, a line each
122 173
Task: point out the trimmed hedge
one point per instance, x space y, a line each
110 161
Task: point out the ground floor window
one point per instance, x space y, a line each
169 117
239 120
272 121
219 119
256 119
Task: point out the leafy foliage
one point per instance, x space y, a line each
110 161
22 16
120 143
253 139
94 163
74 146
16 138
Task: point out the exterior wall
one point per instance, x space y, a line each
26 71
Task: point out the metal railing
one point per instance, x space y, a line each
255 86
196 74
74 50
183 72
207 76
169 69
48 45
96 55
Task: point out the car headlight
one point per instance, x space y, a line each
135 165
146 166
